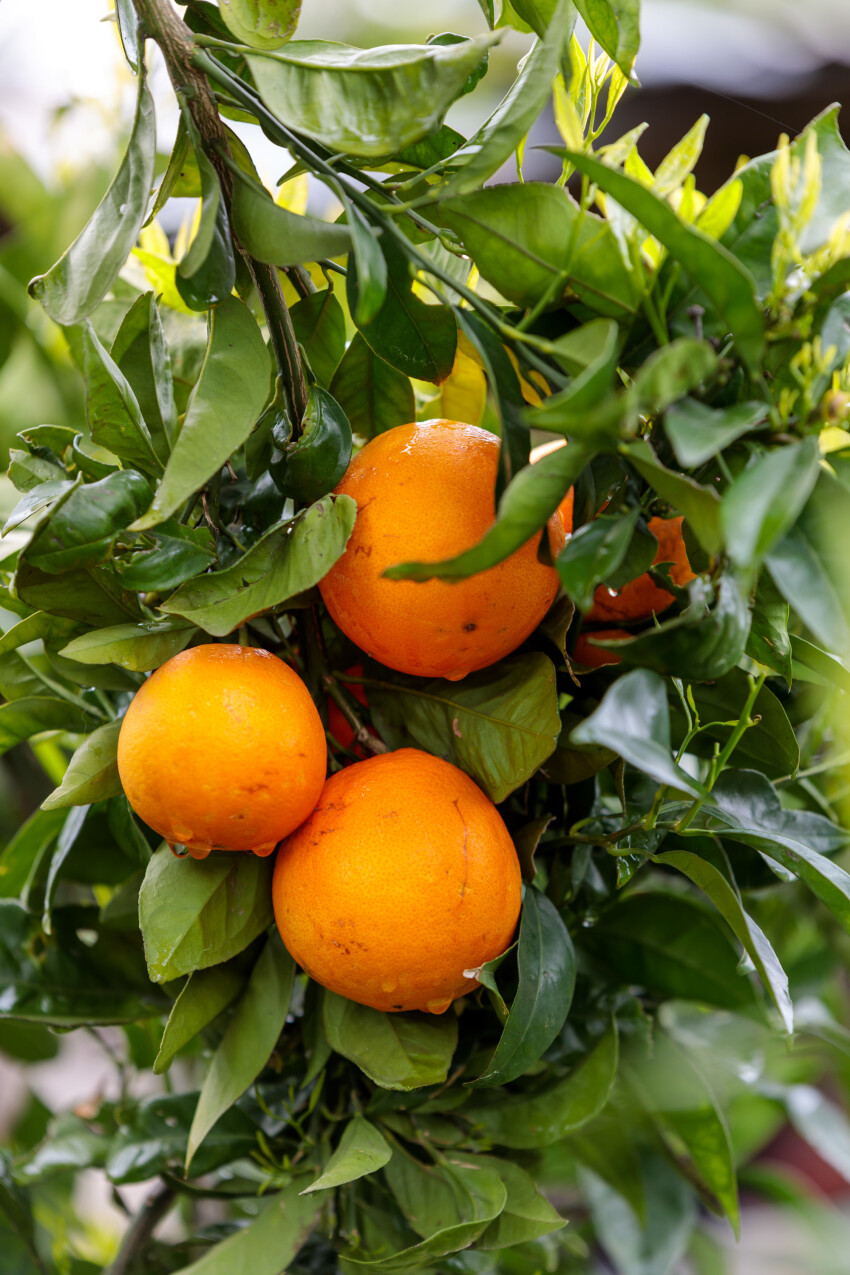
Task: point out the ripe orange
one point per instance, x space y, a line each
591 656
403 881
565 509
222 748
425 491
640 598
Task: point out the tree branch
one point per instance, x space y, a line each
139 1233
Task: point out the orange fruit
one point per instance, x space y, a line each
565 509
641 598
591 656
426 492
222 748
403 881
338 724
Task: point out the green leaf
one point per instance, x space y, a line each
697 432
31 714
614 25
138 647
92 773
23 853
633 720
79 280
365 102
251 1035
827 669
727 284
415 338
82 526
507 396
207 272
128 29
669 373
530 240
264 24
770 746
672 947
160 562
821 1123
230 393
700 505
486 7
71 829
205 994
290 558
799 574
498 725
369 263
267 1245
655 1244
548 1116
726 898
769 643
499 136
547 975
527 1213
153 1133
396 1051
373 395
38 625
594 552
362 1149
762 503
319 324
527 503
313 465
274 234
141 352
42 497
194 914
112 409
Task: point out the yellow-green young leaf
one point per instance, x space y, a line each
681 159
138 647
251 1036
92 773
264 24
396 1051
720 211
203 997
362 1149
365 102
80 278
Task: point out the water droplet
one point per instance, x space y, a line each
263 851
199 852
122 208
438 1006
178 850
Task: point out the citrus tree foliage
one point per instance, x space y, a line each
672 996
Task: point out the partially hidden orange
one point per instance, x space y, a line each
591 656
565 509
222 748
426 492
400 885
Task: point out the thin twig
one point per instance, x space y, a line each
138 1234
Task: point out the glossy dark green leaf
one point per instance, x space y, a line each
373 395
527 503
551 1114
251 1035
770 746
727 899
369 262
362 1149
290 558
310 467
206 273
364 102
44 496
63 981
152 1138
31 714
112 409
158 561
202 998
138 647
699 504
263 24
273 234
768 642
92 773
319 324
92 595
65 842
268 1244
762 503
547 974
669 373
531 240
672 947
194 914
703 643
726 283
633 720
827 669
415 338
140 351
594 552
799 574
504 385
82 527
74 286
498 725
396 1051
230 394
499 136
527 1213
697 432
614 24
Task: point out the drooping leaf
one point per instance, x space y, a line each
251 1035
594 552
138 647
225 403
396 1051
769 643
373 395
798 572
112 409
697 432
195 914
140 350
31 714
82 526
159 561
290 558
152 1139
74 286
547 973
527 1213
362 1149
268 1244
319 324
364 102
264 24
203 997
498 725
206 274
652 1245
762 503
313 465
92 773
274 234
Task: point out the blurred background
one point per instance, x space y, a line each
756 67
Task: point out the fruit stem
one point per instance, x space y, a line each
363 736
